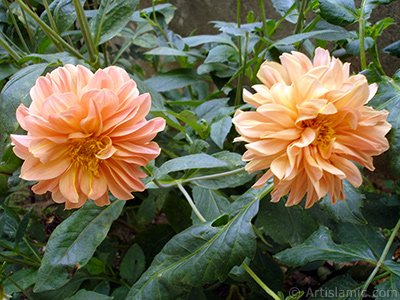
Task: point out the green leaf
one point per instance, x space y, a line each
192 120
222 53
15 92
24 278
388 289
285 225
85 295
209 109
220 129
338 12
112 16
133 264
95 266
381 210
320 246
177 78
353 47
348 210
326 34
234 162
196 40
201 254
178 212
167 51
283 6
7 69
210 204
361 235
388 97
74 241
22 226
393 49
341 287
194 161
9 163
147 211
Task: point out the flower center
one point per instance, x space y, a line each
83 153
325 132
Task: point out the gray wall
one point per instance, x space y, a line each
196 14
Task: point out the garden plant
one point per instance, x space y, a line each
136 163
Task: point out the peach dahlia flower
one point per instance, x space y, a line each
309 127
87 134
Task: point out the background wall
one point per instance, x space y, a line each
196 14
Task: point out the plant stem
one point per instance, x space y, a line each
17 285
375 58
19 261
361 33
49 15
16 26
104 50
50 32
28 29
14 55
300 20
205 177
263 18
190 201
87 36
241 77
260 282
238 95
381 259
32 250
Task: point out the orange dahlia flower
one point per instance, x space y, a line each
87 134
309 127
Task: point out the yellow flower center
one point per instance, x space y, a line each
325 132
83 153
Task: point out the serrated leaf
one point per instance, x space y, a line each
85 295
338 12
388 289
133 264
74 241
348 210
201 254
210 204
194 161
174 79
320 246
285 225
219 131
341 287
112 16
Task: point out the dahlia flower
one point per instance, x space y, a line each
310 125
87 134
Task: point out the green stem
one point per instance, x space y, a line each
50 32
191 203
19 261
28 29
361 34
375 58
263 18
238 95
260 282
32 250
14 55
205 177
104 50
49 15
87 36
17 285
239 90
300 19
16 27
156 24
381 259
